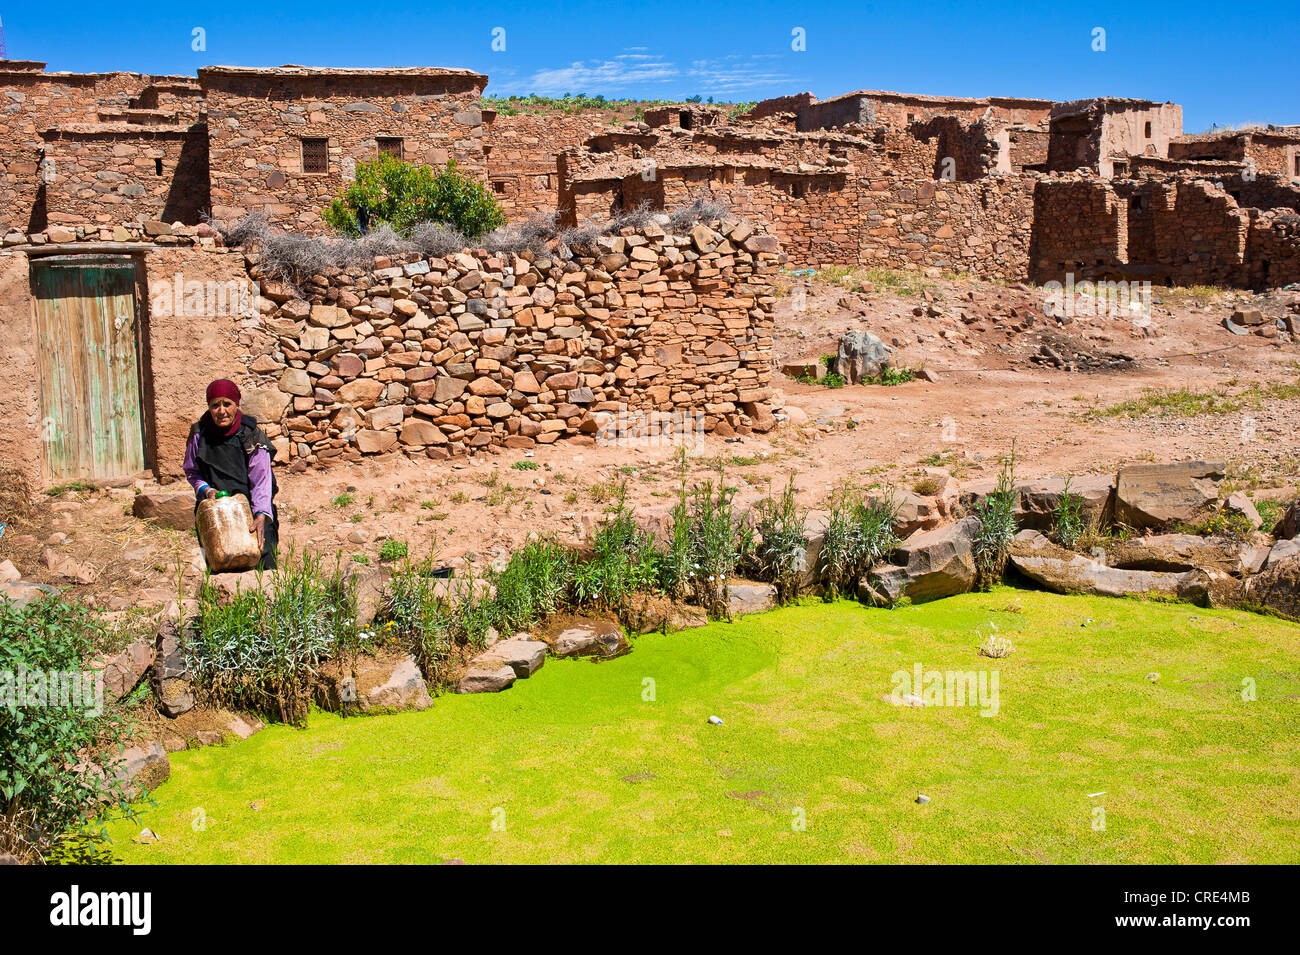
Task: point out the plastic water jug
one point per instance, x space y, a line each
228 543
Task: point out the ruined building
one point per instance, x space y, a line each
114 293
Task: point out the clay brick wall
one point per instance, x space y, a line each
1076 223
258 119
521 164
441 356
112 175
979 227
1028 147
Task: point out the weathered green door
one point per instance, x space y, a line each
88 367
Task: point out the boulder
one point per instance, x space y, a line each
643 613
368 584
123 672
1277 587
174 509
372 684
1038 499
171 678
886 584
861 356
486 679
1238 503
746 597
143 767
1065 572
1281 551
1155 495
521 653
267 405
25 592
1177 553
916 513
1289 526
585 636
936 563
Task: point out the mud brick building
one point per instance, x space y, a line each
286 140
106 181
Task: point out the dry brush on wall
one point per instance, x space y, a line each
446 354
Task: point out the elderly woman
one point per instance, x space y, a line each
227 451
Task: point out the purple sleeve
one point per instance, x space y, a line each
192 469
259 475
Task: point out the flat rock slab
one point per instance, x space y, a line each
367 684
745 598
25 592
1065 572
1155 495
123 671
1182 552
486 679
174 509
521 653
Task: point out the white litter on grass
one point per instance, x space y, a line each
923 799
715 720
1102 793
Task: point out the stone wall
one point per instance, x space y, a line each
109 174
257 120
981 227
443 356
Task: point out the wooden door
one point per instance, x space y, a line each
88 367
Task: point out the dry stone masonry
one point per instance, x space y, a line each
444 355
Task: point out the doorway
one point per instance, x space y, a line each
88 367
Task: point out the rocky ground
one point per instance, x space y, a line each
994 382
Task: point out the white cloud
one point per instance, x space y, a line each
637 72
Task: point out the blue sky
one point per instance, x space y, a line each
1225 63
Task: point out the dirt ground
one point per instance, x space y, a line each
982 341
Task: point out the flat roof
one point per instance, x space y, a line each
295 70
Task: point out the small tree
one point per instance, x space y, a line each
388 191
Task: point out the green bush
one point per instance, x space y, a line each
1069 524
391 550
719 541
782 542
259 649
996 513
402 195
535 584
45 730
624 561
859 535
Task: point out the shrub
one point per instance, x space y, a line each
995 647
42 803
781 542
996 514
624 561
391 550
418 616
859 535
525 465
535 584
1068 522
719 540
389 191
260 649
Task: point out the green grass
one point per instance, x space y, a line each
573 765
1186 403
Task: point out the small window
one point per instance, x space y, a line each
1297 164
1135 203
911 117
1147 130
157 167
389 146
685 119
499 186
315 155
